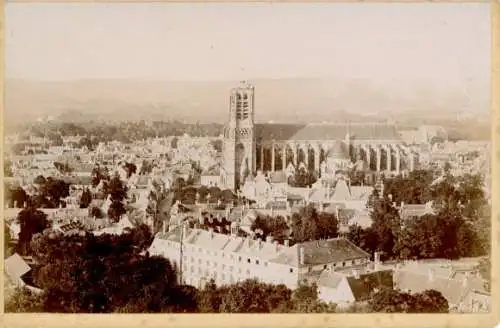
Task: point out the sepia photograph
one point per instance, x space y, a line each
247 158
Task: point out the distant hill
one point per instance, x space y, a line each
297 100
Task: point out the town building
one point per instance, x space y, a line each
201 255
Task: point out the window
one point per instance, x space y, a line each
257 262
309 269
265 263
239 258
343 264
291 270
324 266
248 260
353 262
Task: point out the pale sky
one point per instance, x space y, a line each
440 43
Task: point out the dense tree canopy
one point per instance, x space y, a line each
485 271
85 198
23 300
252 296
118 192
7 169
50 193
15 196
99 173
309 224
275 227
64 168
102 274
393 301
31 221
386 225
303 178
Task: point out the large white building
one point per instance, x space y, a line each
200 255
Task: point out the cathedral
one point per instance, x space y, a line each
324 148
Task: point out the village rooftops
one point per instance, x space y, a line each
454 290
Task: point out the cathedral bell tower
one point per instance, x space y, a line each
239 137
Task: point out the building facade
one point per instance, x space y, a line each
201 255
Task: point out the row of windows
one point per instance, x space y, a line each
231 256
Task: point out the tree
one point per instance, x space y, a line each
24 301
309 225
393 301
86 198
275 227
96 212
386 225
485 271
54 190
116 210
32 221
118 192
305 299
86 142
7 241
7 169
303 178
102 274
40 180
413 189
366 239
131 168
430 301
217 144
99 174
62 167
16 197
251 296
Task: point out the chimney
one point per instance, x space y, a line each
402 204
431 274
301 255
269 239
15 204
276 245
185 228
164 228
376 258
211 231
465 281
287 243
